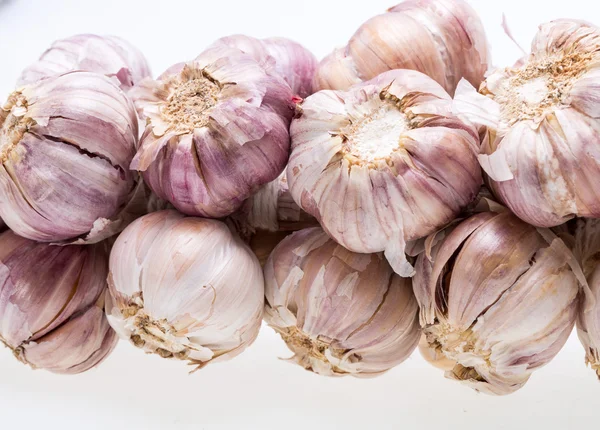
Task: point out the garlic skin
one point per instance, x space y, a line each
66 144
107 55
540 152
384 163
587 249
52 317
443 39
341 313
292 61
184 288
497 299
217 130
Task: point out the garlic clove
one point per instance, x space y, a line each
184 288
341 313
336 71
107 55
366 163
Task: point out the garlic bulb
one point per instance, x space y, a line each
292 61
497 299
587 249
66 144
107 55
217 131
184 288
443 39
384 163
51 304
341 313
540 151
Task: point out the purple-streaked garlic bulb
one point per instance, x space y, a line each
66 143
541 152
587 249
184 288
107 55
443 39
292 61
383 163
497 297
340 313
217 130
52 304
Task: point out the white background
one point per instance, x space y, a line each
257 390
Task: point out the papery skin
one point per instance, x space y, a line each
497 299
66 145
185 288
541 152
379 205
341 313
443 39
587 249
292 61
51 304
209 168
107 55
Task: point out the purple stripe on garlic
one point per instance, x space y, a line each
498 300
217 131
340 313
444 39
66 143
383 163
184 288
107 55
540 151
52 317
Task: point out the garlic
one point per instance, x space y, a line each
184 288
217 131
384 163
66 144
444 39
293 62
499 298
51 304
540 151
587 249
341 313
107 55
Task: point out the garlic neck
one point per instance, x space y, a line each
193 95
541 85
13 123
376 135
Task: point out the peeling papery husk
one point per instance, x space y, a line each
383 164
292 61
184 288
107 55
444 39
340 313
52 304
540 151
587 249
496 299
66 144
217 130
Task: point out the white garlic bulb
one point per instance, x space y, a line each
341 313
587 249
443 39
383 163
497 299
107 55
540 151
184 288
